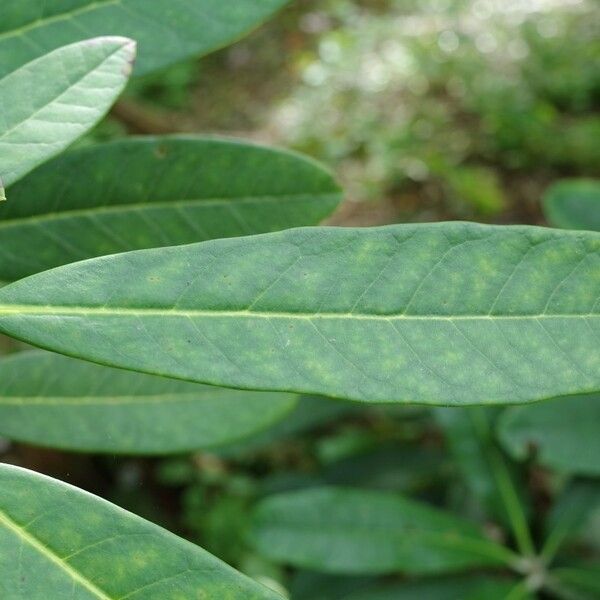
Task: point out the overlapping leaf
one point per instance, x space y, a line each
489 477
563 434
167 30
316 586
450 313
48 103
51 400
150 192
340 530
59 542
574 204
574 508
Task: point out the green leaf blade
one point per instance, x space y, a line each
156 191
459 313
50 102
59 542
345 531
54 401
167 30
564 433
573 204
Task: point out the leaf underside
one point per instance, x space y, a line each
59 542
50 400
51 101
449 313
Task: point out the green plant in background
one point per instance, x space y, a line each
462 100
304 328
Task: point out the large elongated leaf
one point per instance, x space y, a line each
451 313
150 192
564 433
340 530
59 542
50 102
574 204
167 30
51 400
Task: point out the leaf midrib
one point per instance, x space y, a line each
97 400
51 556
186 203
27 309
42 22
69 89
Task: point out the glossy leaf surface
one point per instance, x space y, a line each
574 204
167 30
59 542
340 530
448 313
563 433
50 400
151 192
50 102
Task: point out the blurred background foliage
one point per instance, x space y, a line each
426 110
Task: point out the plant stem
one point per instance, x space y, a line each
508 493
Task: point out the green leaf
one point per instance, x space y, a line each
59 542
340 530
574 204
51 400
467 587
388 466
446 313
572 511
167 30
50 102
314 586
151 192
563 433
309 413
487 473
576 582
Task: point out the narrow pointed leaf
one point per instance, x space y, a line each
575 507
340 530
467 587
50 102
316 586
59 542
563 434
447 313
151 192
574 204
489 477
50 400
576 582
167 30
